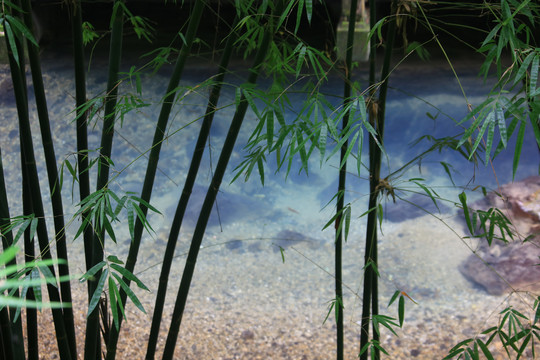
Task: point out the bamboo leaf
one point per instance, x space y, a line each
463 199
300 8
90 273
489 140
128 275
109 229
114 259
401 310
97 293
113 300
347 213
269 129
519 145
534 74
499 118
35 283
523 68
11 40
129 292
145 203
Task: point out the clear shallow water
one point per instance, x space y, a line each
241 282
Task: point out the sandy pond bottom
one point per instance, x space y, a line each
245 303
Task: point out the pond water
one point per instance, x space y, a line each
246 300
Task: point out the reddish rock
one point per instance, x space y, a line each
503 267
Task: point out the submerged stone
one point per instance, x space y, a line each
415 206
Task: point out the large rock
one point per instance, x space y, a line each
504 267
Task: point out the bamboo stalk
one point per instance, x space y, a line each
12 335
341 185
82 126
29 164
212 191
52 171
184 198
32 330
92 326
153 160
370 305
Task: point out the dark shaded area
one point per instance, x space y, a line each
282 240
228 208
170 17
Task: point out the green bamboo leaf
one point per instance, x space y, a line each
323 134
142 218
519 145
131 220
260 167
270 129
35 284
300 50
380 213
302 150
11 40
20 29
299 10
285 13
97 293
113 300
463 199
524 344
534 73
499 118
385 321
347 213
120 204
349 149
309 10
6 256
145 203
20 303
128 275
373 133
537 310
83 226
492 34
401 310
446 167
90 273
48 275
114 259
28 220
489 119
523 68
129 292
489 139
109 229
